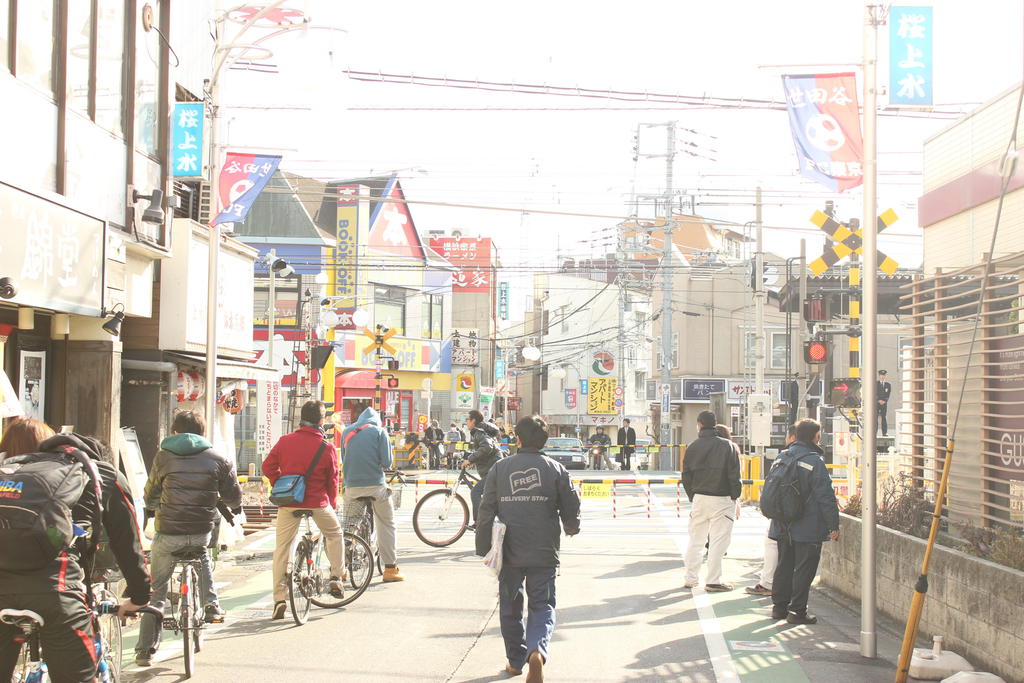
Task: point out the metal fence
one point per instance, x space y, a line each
987 476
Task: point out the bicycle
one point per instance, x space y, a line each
31 667
309 577
364 528
442 516
186 604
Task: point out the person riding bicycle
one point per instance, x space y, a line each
294 454
601 441
484 452
433 436
187 481
366 454
56 589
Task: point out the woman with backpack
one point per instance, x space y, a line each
22 436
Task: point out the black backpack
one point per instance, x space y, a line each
781 497
37 494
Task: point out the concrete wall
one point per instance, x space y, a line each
977 606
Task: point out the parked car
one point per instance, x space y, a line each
570 452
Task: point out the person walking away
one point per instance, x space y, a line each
771 547
306 452
70 476
186 482
884 392
601 441
453 437
530 493
366 454
800 541
23 435
484 452
626 438
711 478
434 436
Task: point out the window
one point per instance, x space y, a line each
79 52
640 385
433 310
780 350
35 44
675 352
389 307
147 84
110 65
750 350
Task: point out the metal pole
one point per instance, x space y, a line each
801 409
212 263
868 637
271 309
666 296
759 301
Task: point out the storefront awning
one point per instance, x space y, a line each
230 369
356 379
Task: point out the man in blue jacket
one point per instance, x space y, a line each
365 455
529 492
800 542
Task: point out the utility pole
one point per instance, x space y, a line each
805 371
873 16
666 297
620 264
760 295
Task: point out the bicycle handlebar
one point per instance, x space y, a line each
112 607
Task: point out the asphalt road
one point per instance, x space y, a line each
623 615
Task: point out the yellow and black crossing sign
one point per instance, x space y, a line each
849 242
380 341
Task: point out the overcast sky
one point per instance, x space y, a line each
574 157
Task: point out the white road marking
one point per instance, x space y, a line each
718 649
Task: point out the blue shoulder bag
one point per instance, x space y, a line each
290 489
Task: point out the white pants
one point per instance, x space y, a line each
711 519
771 561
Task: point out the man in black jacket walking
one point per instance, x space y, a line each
627 439
711 477
186 482
484 452
530 493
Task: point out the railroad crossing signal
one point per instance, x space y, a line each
380 341
845 392
849 242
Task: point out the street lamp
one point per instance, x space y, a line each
531 352
275 266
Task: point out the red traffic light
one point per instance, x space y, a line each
815 352
392 382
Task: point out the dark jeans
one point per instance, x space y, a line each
66 636
521 640
798 563
476 494
883 408
624 455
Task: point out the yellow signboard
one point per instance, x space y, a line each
345 245
601 396
596 490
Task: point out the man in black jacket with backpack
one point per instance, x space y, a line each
56 588
802 470
485 451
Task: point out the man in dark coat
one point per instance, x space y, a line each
800 542
530 493
884 392
626 438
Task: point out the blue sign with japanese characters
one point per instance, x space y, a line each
584 387
187 140
701 389
499 369
910 56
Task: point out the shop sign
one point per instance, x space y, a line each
701 389
465 347
910 55
187 140
268 416
1006 421
345 271
471 257
601 399
412 354
54 255
515 403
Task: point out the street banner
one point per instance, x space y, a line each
910 56
345 246
187 140
242 178
570 399
825 122
601 399
471 257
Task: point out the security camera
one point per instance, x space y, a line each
281 268
7 288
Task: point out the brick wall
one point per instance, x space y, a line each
977 606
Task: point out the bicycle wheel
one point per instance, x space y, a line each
198 615
110 633
300 583
187 615
440 518
359 565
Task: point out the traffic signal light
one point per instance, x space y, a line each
845 392
392 382
392 365
814 309
816 352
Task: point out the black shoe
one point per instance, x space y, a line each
279 610
779 613
801 618
214 614
471 527
143 659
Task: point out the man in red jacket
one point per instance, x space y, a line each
293 454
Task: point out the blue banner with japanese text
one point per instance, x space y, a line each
910 56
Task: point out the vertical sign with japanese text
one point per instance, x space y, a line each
345 246
268 415
503 300
570 399
471 257
187 140
601 396
824 119
910 56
